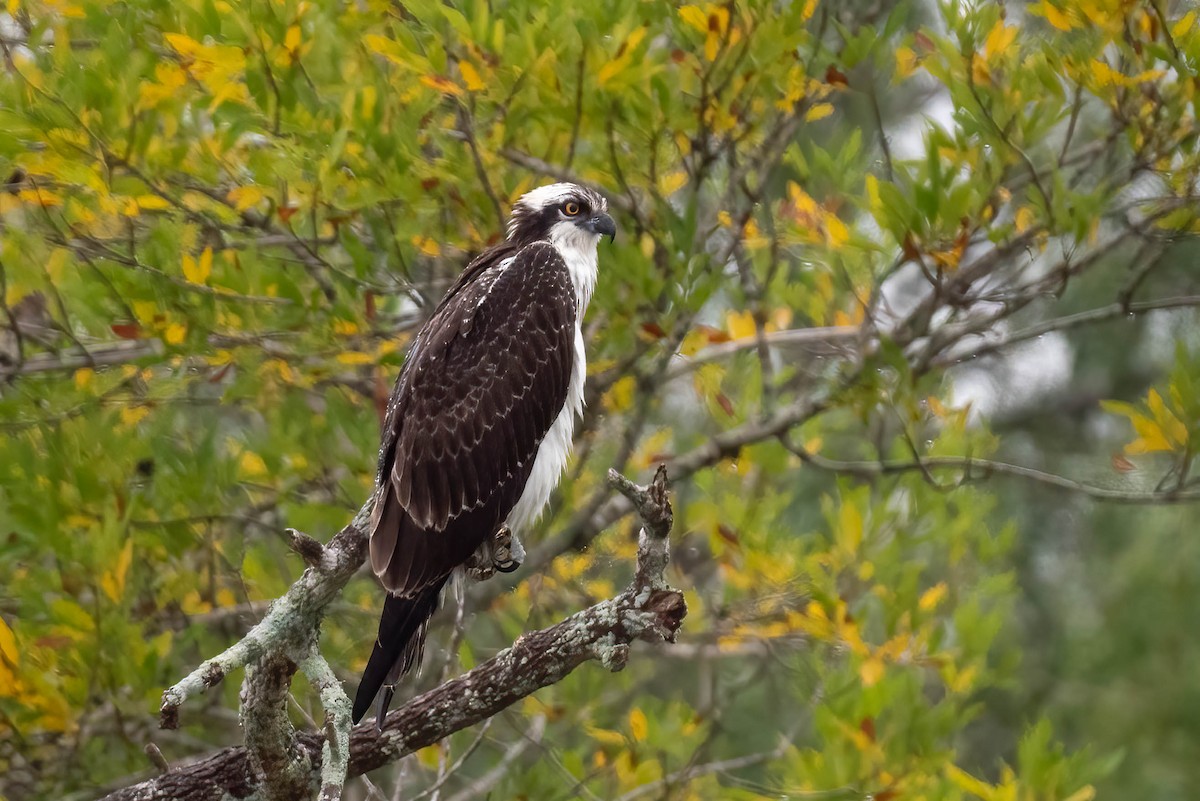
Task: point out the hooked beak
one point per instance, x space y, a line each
602 224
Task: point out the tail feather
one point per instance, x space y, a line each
398 648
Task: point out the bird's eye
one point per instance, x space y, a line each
570 208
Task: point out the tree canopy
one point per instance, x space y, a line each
903 297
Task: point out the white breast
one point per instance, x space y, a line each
578 249
552 454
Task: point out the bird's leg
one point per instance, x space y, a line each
480 566
507 553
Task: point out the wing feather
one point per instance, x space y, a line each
485 379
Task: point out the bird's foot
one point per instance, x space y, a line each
507 553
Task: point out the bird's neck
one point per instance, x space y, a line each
578 249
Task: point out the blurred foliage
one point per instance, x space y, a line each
221 222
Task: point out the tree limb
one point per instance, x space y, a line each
648 609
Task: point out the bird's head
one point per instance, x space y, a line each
561 213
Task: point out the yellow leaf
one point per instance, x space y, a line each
132 415
175 333
1184 25
154 202
850 527
113 581
1085 793
999 39
183 44
638 725
1055 16
906 61
443 85
1023 219
83 377
251 465
471 77
1171 426
198 270
694 16
8 645
818 112
612 69
871 671
291 39
619 396
969 783
740 324
810 8
394 52
932 597
712 45
427 245
430 755
962 681
243 197
1106 75
836 232
606 736
693 341
354 357
672 182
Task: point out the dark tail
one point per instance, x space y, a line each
398 648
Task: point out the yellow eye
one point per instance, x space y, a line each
570 208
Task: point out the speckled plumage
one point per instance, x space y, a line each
479 425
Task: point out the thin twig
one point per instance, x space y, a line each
974 469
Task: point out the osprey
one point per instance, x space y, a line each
479 425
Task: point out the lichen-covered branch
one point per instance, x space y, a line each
648 609
282 769
291 624
335 753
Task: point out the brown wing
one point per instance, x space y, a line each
484 381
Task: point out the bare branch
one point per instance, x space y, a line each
976 469
1098 315
480 787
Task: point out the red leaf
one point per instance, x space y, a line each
867 727
728 534
127 330
923 42
654 330
909 246
53 641
725 403
714 335
286 212
370 305
1121 464
836 77
429 183
220 373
